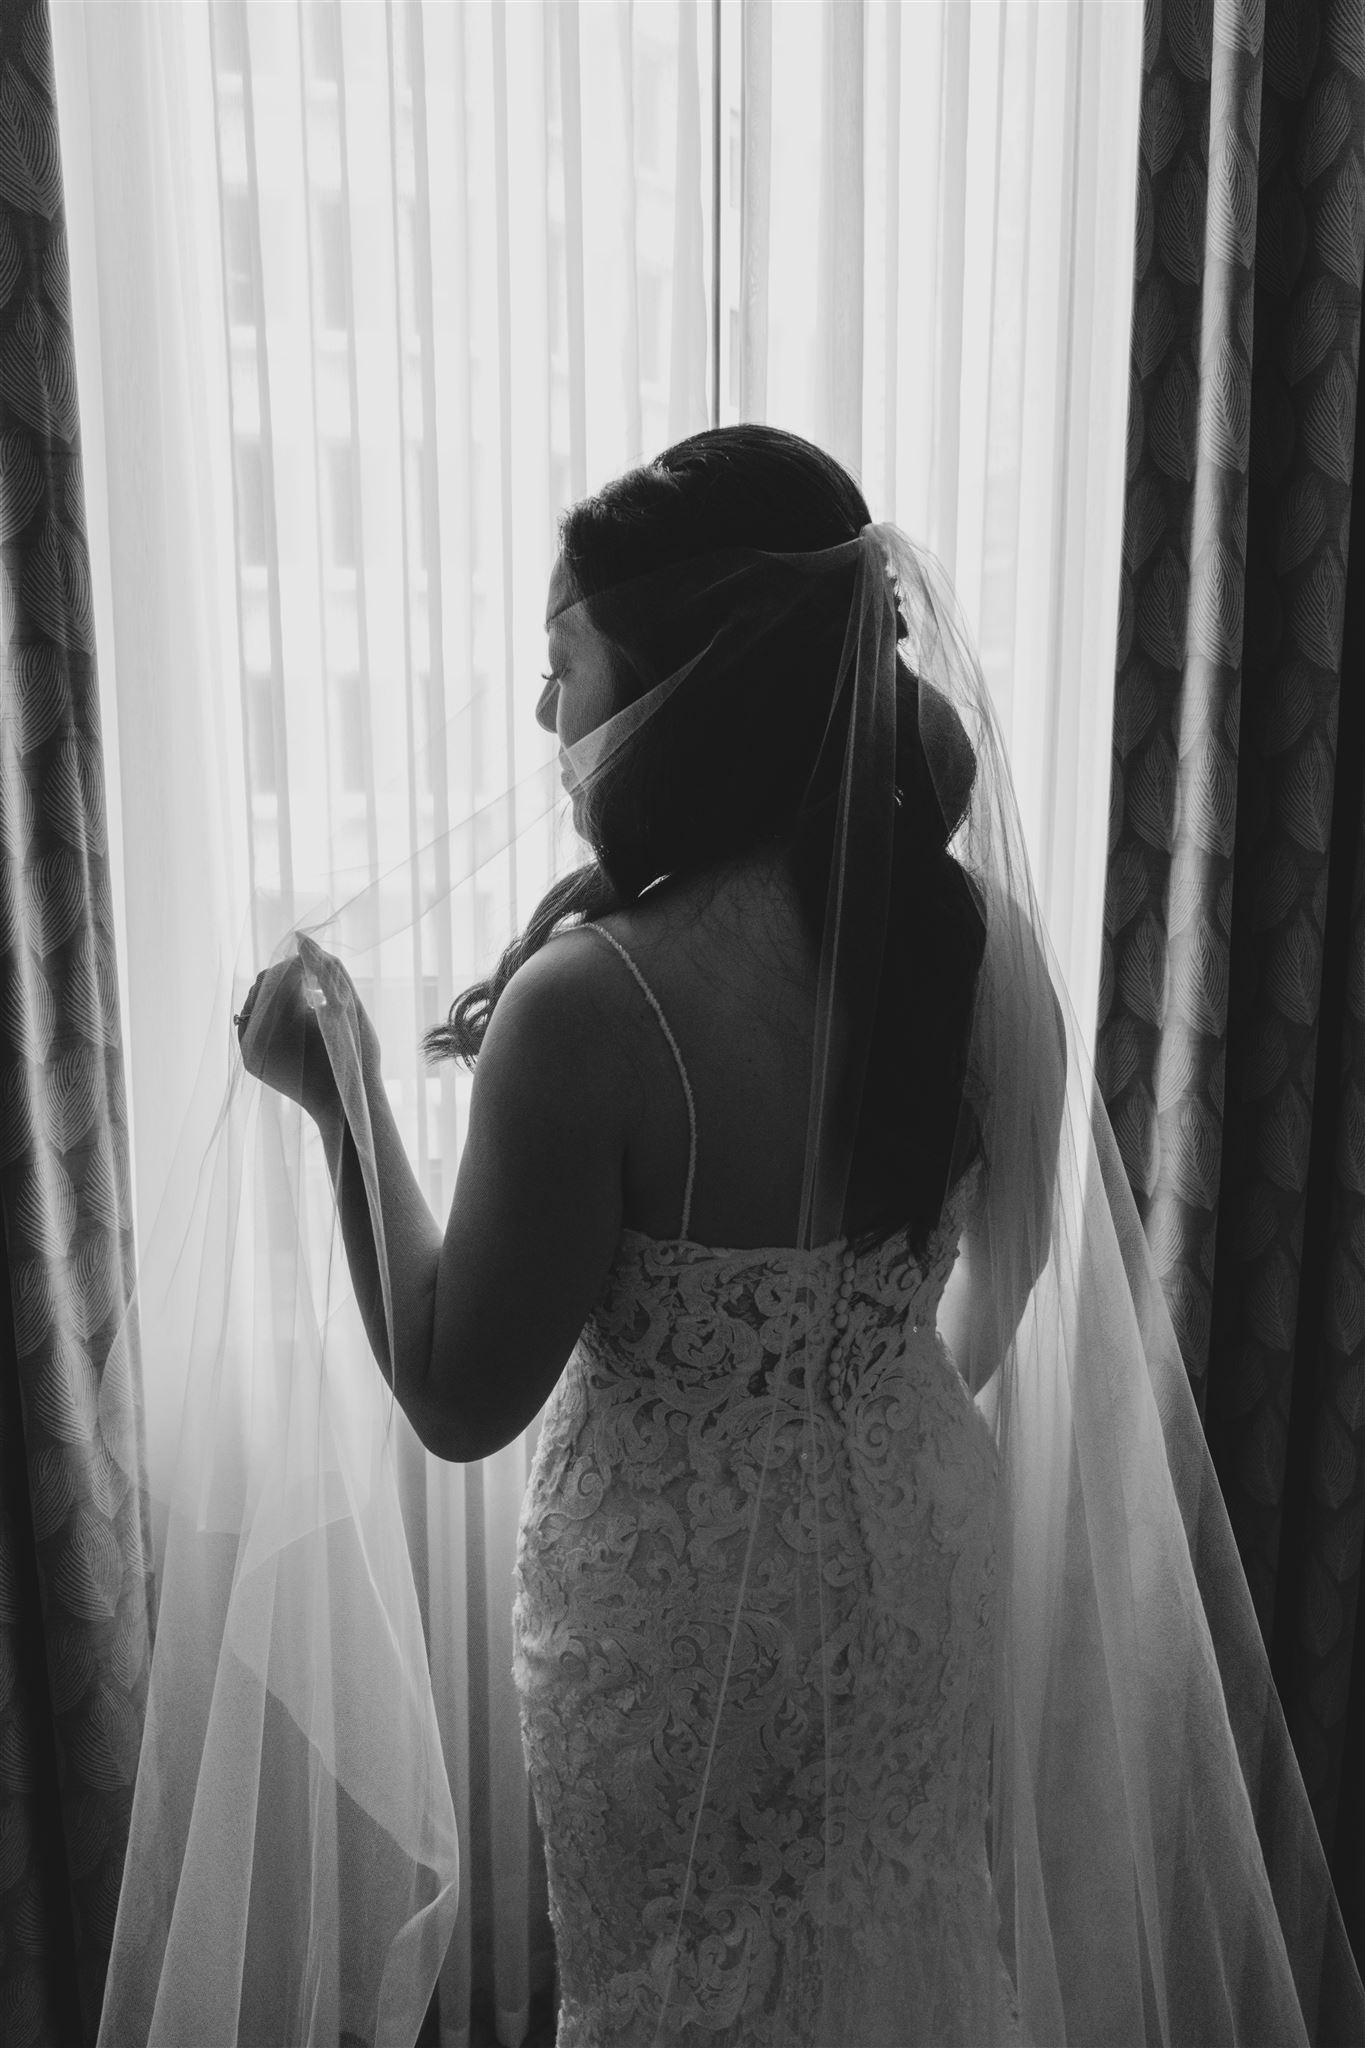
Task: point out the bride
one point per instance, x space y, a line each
887 1673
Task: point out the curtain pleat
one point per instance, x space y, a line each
838 305
688 349
966 176
571 159
944 265
76 1592
1229 1039
882 238
756 86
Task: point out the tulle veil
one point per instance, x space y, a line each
1154 1868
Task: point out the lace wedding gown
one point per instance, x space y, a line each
631 1546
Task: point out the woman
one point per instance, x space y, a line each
875 1608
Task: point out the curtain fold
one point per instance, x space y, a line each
1230 1048
76 1587
755 205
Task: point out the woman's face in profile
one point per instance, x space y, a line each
578 693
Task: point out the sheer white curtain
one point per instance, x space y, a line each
934 281
363 294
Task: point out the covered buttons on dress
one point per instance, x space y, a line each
838 1351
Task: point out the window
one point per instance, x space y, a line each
412 495
260 737
429 715
348 734
478 744
250 469
651 112
228 20
407 38
419 484
409 312
559 482
339 504
329 260
651 317
241 284
736 157
323 40
559 296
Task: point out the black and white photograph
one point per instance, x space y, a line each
682 1024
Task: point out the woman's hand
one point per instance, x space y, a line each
280 1036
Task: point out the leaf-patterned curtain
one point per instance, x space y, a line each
1231 1044
75 1585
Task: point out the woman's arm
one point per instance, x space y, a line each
486 1313
412 1242
284 1046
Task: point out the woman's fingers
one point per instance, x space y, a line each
263 989
240 1019
244 1014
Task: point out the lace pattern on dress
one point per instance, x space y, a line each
850 1855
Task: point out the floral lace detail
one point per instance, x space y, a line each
844 1861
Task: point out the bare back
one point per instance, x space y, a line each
735 977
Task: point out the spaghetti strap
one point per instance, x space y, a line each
682 1071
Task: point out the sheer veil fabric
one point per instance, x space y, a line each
1154 1871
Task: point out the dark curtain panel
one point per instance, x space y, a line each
75 1577
1231 1042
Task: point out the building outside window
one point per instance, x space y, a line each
559 482
229 40
348 734
329 260
410 312
339 504
653 116
559 297
650 308
241 285
419 478
250 468
322 40
263 767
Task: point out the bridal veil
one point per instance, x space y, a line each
1156 1873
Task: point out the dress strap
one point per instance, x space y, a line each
682 1071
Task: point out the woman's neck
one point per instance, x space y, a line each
759 874
751 902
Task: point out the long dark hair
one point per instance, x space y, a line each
672 803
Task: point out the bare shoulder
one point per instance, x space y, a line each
568 1009
577 965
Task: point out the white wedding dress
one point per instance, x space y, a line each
631 1547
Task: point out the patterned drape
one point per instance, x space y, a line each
75 1577
1231 1044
